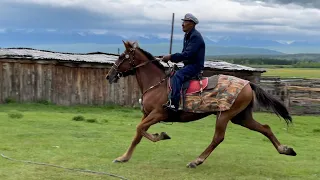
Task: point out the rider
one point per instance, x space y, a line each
192 56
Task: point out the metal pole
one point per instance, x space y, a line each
172 25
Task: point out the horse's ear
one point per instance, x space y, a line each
136 44
126 45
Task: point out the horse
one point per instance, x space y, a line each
153 81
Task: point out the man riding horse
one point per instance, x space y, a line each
192 56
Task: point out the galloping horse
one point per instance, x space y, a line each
154 85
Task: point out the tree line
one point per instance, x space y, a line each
272 61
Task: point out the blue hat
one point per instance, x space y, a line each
190 17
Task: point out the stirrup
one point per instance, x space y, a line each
167 104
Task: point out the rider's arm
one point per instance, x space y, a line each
193 46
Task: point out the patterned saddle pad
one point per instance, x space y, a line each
218 95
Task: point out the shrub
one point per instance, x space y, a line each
92 120
44 102
9 100
78 118
316 130
15 115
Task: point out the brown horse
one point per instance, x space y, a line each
153 81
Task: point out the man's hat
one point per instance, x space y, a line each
190 17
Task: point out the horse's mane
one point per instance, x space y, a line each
151 57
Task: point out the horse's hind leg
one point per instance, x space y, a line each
220 130
242 102
245 119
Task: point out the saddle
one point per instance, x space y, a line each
195 85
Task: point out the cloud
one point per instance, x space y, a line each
277 19
303 3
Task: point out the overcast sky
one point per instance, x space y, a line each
286 20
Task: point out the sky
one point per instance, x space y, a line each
283 21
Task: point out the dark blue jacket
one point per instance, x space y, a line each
193 52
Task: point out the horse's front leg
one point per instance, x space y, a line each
152 118
127 155
142 131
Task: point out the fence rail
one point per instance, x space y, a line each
64 85
301 96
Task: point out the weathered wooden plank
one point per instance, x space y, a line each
39 82
81 86
61 84
78 86
84 86
15 94
92 86
91 82
50 83
7 76
137 92
67 86
1 83
26 82
96 86
56 84
100 82
119 91
64 86
121 95
69 92
106 89
45 88
303 88
305 100
33 82
112 93
128 91
74 100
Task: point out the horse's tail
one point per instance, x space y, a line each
267 101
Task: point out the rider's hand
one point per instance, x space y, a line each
166 58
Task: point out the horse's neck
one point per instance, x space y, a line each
148 76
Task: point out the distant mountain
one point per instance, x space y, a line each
106 42
290 57
256 42
240 41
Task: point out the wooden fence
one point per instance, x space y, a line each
63 84
71 83
301 96
85 83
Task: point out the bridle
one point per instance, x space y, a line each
131 62
130 56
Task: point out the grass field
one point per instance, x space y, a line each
293 72
47 134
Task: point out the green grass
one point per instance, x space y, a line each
48 134
265 66
313 73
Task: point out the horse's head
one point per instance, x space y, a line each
126 64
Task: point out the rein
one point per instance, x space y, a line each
133 67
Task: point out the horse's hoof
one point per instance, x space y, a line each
287 151
119 161
192 165
165 136
291 152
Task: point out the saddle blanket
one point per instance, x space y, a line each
219 94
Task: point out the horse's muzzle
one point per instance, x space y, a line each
113 78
